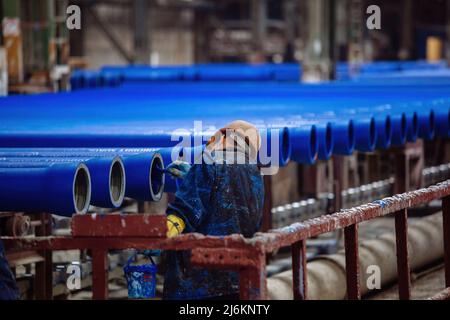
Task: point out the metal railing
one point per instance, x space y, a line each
310 208
248 256
252 262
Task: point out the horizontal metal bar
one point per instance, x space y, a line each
224 257
182 242
119 225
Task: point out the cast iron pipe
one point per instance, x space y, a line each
107 174
62 189
143 169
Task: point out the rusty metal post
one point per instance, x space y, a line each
99 274
401 236
401 172
446 226
340 180
252 281
352 262
299 271
267 208
44 270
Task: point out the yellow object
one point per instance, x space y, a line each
434 49
175 225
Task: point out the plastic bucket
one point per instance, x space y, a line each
141 279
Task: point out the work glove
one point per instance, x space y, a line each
175 225
178 169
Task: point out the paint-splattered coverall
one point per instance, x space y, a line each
8 286
214 199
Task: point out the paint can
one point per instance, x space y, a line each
141 279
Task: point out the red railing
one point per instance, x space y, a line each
248 256
296 236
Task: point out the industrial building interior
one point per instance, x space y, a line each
107 105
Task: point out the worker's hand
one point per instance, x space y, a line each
178 169
175 226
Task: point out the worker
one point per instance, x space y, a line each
8 286
218 197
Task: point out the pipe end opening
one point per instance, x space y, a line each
432 123
388 131
351 136
156 177
286 146
372 133
404 126
313 141
117 182
82 189
415 124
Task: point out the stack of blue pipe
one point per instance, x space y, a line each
345 71
175 118
113 76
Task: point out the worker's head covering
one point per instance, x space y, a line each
237 134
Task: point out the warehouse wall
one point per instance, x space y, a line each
171 38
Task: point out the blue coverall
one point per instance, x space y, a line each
218 200
8 286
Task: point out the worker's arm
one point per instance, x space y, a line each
192 200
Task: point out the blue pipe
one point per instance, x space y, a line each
62 189
324 144
426 124
365 135
399 129
277 154
145 173
306 143
107 174
344 137
369 147
328 87
442 123
139 185
384 132
262 72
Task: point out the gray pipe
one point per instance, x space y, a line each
326 274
